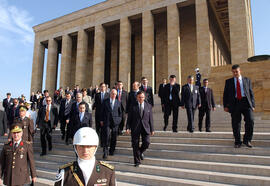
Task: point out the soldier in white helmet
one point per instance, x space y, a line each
86 170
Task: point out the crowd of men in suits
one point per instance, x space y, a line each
117 108
190 97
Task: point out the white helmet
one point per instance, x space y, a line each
197 69
86 136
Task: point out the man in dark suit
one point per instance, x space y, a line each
3 123
64 111
140 123
47 120
76 90
122 97
43 99
13 112
73 111
80 119
99 98
171 101
7 102
238 99
190 100
161 90
132 95
148 91
111 116
33 100
207 103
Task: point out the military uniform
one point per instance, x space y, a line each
71 175
28 128
14 163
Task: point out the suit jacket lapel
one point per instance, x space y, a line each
234 90
244 85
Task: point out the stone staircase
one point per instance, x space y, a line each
179 158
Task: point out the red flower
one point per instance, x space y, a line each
21 143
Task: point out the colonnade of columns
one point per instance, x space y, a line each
204 54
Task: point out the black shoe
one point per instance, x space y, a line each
208 130
43 154
50 148
63 137
137 164
237 146
175 131
248 144
105 155
111 153
191 131
200 130
142 156
164 128
67 143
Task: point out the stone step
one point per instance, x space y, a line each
201 156
205 141
203 148
181 147
180 155
49 162
214 177
152 180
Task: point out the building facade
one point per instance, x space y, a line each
127 39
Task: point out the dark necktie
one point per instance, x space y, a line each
119 96
239 94
15 146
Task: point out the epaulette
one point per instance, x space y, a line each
107 165
66 165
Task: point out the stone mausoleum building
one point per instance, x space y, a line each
127 39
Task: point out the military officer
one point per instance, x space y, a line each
86 170
26 124
16 156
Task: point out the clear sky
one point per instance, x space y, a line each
17 17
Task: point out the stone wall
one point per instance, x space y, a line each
258 72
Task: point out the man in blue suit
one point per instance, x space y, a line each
111 117
140 123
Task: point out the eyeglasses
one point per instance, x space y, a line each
48 100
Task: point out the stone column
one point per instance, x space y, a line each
125 52
203 37
38 67
81 59
66 61
52 65
99 55
173 29
241 34
148 56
